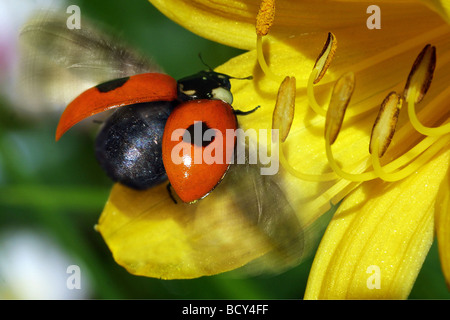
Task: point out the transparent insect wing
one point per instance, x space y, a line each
58 63
261 200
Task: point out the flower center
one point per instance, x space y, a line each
383 130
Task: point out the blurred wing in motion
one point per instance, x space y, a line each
263 203
58 63
246 221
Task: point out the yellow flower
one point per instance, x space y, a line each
377 240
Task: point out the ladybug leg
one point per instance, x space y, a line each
169 190
244 113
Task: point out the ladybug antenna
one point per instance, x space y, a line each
229 77
203 61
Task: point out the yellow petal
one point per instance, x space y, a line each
440 6
224 21
378 239
442 219
244 218
232 22
157 238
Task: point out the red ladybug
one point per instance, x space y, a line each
129 145
135 146
196 174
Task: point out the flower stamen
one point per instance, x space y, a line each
428 131
320 67
262 61
265 17
311 97
283 116
384 129
382 133
417 85
340 99
421 160
342 92
325 57
421 74
283 113
264 21
385 123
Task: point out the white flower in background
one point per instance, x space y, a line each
33 266
13 15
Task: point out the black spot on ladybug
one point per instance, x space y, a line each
191 137
111 85
129 145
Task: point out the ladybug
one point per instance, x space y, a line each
159 132
151 111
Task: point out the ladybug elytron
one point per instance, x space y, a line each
140 144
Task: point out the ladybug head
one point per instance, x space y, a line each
206 84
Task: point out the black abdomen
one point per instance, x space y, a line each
128 147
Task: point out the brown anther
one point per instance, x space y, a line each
421 73
385 123
324 59
283 114
342 92
265 17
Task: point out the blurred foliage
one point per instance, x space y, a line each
59 187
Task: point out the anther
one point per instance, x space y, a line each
342 92
282 118
421 74
264 21
320 67
283 114
265 17
324 59
385 123
417 85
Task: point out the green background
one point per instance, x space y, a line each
60 189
